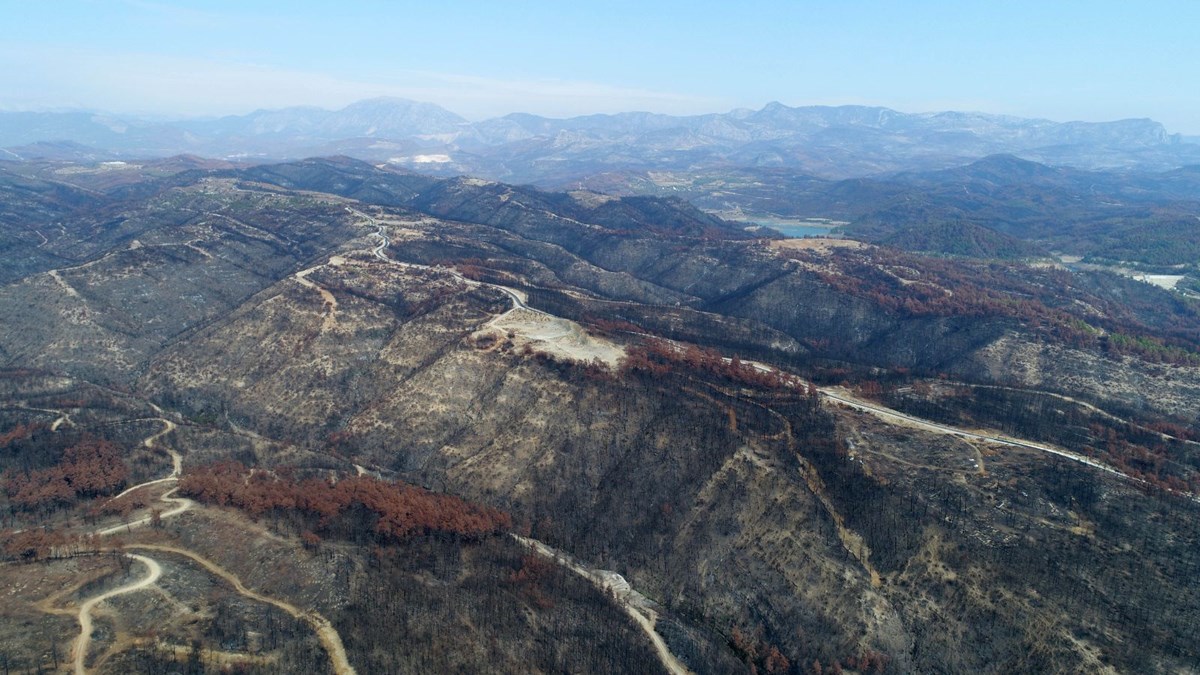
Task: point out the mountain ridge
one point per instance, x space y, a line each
325 318
832 141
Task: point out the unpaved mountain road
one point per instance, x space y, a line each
179 504
892 415
325 631
176 458
517 297
635 604
80 646
844 397
544 331
330 640
1083 404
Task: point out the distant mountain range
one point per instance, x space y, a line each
833 142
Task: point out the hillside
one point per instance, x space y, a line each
463 425
997 207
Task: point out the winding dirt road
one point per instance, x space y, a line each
634 603
892 415
889 415
328 300
516 296
63 417
80 646
325 631
176 458
844 397
178 504
328 635
1083 404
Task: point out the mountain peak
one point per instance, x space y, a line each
1003 168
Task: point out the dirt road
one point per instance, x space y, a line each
82 642
892 415
328 635
178 504
517 297
325 632
176 458
1083 404
634 603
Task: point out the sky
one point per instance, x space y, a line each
1089 60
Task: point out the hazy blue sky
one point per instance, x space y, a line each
1091 60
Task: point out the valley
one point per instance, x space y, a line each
371 421
769 339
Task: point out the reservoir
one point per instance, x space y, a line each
798 227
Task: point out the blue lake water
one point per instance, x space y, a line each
791 227
790 230
796 228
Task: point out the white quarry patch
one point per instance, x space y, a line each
102 167
551 335
1166 281
441 138
421 159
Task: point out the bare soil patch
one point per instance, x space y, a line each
814 244
551 335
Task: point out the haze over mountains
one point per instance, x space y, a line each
832 142
518 425
506 377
